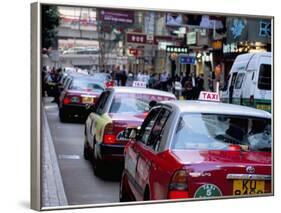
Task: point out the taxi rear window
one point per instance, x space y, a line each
220 132
134 103
84 85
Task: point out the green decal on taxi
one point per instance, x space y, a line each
207 190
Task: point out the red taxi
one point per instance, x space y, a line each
198 149
116 109
76 98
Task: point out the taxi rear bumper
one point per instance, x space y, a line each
75 110
111 152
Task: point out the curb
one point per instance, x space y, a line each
53 193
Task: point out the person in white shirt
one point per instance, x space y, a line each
163 81
139 76
145 78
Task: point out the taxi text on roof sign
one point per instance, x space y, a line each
209 96
140 84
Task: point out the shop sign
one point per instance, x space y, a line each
185 59
117 16
136 38
250 30
176 49
217 45
265 28
191 38
229 48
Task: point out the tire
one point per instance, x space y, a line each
146 196
123 189
98 165
86 152
62 115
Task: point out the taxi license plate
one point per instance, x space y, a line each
87 100
246 187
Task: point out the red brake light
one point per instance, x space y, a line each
178 187
108 135
234 147
109 84
66 100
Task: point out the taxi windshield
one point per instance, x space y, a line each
134 103
84 85
220 132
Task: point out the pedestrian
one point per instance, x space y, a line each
145 78
163 81
139 76
130 79
187 87
200 84
123 78
56 80
194 86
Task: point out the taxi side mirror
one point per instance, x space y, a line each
131 132
91 108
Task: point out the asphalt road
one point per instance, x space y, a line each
81 185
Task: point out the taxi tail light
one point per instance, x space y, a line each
66 100
251 100
178 187
108 135
109 84
71 99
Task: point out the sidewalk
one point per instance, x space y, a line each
53 193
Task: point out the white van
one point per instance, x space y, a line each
249 81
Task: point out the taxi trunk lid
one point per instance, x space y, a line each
225 173
121 121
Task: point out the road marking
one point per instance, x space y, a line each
69 157
50 106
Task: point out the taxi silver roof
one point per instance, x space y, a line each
216 108
142 91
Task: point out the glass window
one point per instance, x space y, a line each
234 75
158 129
226 83
264 81
101 77
147 125
239 80
134 103
223 132
101 102
84 85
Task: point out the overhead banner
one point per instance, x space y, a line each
248 29
117 16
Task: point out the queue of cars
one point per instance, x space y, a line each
170 149
116 109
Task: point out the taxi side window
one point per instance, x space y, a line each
158 129
147 125
101 102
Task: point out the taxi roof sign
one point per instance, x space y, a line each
209 96
140 84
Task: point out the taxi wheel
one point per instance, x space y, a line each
62 115
123 193
97 164
87 153
146 194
